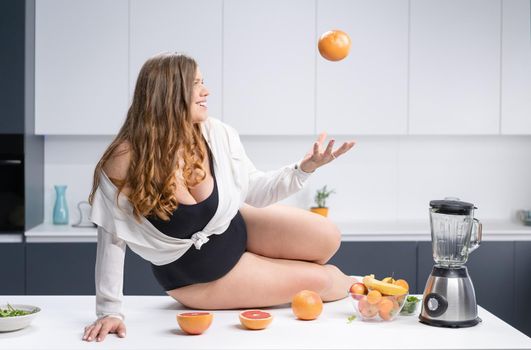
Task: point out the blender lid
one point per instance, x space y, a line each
454 207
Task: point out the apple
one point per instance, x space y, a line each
358 289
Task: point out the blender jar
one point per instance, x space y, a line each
454 232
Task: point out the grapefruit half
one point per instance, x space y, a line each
194 322
255 319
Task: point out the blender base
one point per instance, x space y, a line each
449 324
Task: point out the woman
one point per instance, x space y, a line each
177 187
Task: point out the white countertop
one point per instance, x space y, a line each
351 231
151 324
11 237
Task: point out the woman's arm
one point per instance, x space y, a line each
109 288
109 272
266 188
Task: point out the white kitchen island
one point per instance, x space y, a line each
151 324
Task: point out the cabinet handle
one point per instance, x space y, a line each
10 161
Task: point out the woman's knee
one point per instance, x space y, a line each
331 242
318 281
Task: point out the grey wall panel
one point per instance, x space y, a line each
379 258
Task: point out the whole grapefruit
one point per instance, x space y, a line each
307 305
334 45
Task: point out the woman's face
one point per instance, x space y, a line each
199 101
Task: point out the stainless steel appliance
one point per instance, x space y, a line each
449 298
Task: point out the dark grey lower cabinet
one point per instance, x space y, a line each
12 268
68 269
379 258
60 268
522 286
138 278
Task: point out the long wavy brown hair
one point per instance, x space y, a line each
158 130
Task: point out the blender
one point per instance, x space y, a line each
449 299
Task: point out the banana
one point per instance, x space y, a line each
385 288
389 280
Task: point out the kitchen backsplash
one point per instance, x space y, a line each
382 178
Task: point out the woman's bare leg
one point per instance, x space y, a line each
287 249
258 281
284 232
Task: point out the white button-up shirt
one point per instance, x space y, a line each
238 182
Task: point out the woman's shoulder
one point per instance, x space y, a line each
117 166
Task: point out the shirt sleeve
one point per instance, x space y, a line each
266 188
109 274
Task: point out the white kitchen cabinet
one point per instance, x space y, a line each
366 93
516 68
269 52
189 27
455 67
81 71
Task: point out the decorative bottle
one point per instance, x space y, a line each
60 209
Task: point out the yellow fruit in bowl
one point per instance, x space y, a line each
383 287
389 280
385 309
402 283
374 297
366 309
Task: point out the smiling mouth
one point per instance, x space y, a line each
203 104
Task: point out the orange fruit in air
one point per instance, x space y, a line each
307 305
374 297
194 322
255 319
334 45
402 283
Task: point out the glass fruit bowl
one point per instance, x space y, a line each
377 307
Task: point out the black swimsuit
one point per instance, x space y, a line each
215 258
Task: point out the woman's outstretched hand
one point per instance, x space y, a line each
101 327
317 157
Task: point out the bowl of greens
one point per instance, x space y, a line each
16 316
411 305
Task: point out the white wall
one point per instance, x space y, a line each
381 178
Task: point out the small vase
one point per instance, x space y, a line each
60 209
319 210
